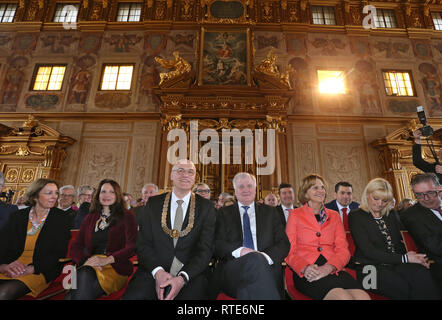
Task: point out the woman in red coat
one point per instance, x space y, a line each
319 250
104 245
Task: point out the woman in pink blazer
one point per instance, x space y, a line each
319 250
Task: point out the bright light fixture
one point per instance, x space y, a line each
331 81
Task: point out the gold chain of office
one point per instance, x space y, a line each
174 233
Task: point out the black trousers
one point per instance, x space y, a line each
12 289
88 286
249 277
407 281
142 287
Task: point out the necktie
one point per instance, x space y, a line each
177 224
287 212
440 211
247 232
345 218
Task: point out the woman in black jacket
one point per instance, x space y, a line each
392 272
32 242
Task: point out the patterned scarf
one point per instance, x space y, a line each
103 222
322 215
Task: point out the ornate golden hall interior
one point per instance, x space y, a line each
91 89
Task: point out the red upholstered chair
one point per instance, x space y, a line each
409 243
293 293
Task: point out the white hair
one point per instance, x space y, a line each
67 187
241 175
149 185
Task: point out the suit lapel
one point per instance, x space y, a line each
259 219
236 216
431 217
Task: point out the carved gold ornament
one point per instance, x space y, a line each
177 233
179 65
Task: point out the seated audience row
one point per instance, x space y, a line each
176 234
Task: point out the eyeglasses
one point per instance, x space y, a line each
182 171
85 195
422 195
202 190
67 195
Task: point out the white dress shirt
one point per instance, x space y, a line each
252 217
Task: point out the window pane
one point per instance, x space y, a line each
437 20
7 12
331 81
124 78
42 79
129 12
323 15
398 83
56 79
66 12
109 78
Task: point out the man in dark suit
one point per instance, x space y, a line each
250 246
66 201
424 220
287 198
175 242
343 201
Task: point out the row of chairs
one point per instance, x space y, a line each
56 291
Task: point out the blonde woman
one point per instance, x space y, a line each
376 233
319 249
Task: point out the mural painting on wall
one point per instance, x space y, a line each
12 84
80 81
124 42
360 46
41 102
430 82
57 43
264 42
182 39
226 9
300 82
154 43
90 43
111 100
224 58
403 106
367 87
392 50
25 43
149 79
5 43
328 47
296 44
422 49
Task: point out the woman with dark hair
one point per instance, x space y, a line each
104 245
32 242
